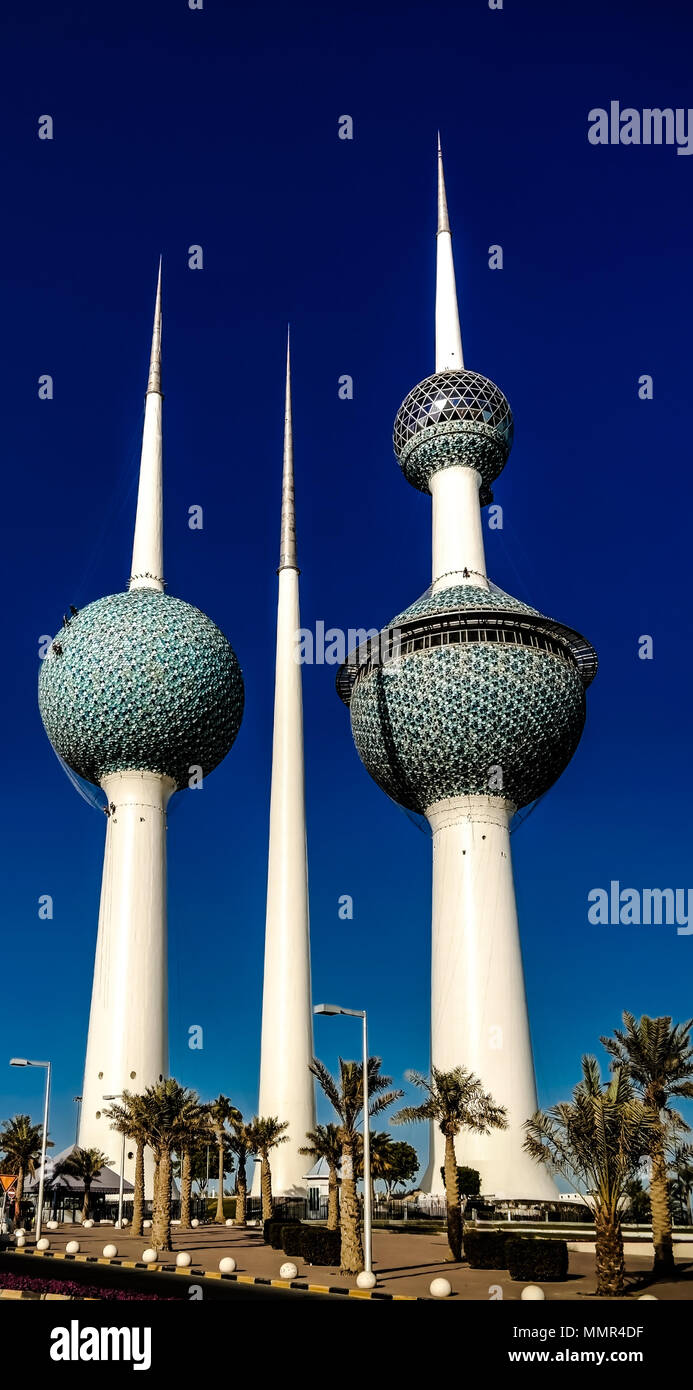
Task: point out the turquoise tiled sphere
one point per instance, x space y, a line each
453 419
444 721
141 680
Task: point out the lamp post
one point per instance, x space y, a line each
367 1214
122 1170
24 1062
78 1102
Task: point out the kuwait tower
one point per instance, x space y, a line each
286 1084
140 694
467 707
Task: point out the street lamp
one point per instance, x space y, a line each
24 1062
122 1169
78 1102
367 1215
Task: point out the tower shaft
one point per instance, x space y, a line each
478 1004
458 542
286 1083
127 1046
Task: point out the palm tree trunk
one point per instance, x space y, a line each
161 1229
661 1211
155 1181
452 1200
241 1194
611 1267
333 1201
19 1193
351 1248
266 1189
86 1203
138 1195
220 1195
185 1187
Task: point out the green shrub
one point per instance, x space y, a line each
531 1260
486 1249
272 1231
320 1246
292 1238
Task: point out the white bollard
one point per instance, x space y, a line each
288 1271
72 1247
532 1293
149 1257
20 1242
110 1251
366 1279
43 1243
183 1259
227 1265
440 1288
229 1221
194 1222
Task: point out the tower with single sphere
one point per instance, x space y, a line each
467 707
141 695
286 1084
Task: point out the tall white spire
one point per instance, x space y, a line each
287 546
148 548
448 337
286 1084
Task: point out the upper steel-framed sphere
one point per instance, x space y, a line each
468 692
452 419
141 680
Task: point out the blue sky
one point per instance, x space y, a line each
219 128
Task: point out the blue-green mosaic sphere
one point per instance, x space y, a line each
471 718
141 680
452 419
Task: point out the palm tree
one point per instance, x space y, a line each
382 1157
85 1165
681 1169
129 1117
194 1134
455 1100
221 1113
20 1141
240 1145
597 1141
345 1094
264 1134
169 1109
658 1058
324 1142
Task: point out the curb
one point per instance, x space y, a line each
198 1273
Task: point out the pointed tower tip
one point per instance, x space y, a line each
443 219
448 337
154 380
287 546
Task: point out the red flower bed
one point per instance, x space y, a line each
33 1284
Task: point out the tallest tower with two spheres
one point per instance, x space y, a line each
140 694
468 706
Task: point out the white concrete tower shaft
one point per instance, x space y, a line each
479 1016
286 1084
457 536
127 1045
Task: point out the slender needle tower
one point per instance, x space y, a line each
286 1084
140 694
468 706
